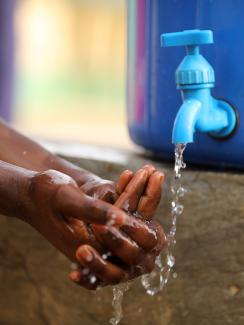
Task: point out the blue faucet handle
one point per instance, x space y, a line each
188 38
194 69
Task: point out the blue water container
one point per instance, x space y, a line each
152 98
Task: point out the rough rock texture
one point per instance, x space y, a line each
209 288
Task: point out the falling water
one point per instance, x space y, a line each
155 281
177 208
118 294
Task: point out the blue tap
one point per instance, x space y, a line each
195 77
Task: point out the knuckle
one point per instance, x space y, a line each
149 263
146 265
51 178
159 231
115 276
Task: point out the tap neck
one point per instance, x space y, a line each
192 50
202 94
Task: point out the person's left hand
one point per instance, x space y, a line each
100 189
134 247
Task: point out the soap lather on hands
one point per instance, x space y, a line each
132 247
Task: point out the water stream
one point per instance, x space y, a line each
158 278
118 294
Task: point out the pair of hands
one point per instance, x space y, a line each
107 229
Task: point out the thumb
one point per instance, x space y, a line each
72 202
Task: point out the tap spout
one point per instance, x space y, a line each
186 121
202 112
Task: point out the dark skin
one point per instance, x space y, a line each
82 215
135 250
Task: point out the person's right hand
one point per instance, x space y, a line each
62 213
134 246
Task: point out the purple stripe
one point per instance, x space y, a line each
140 60
6 57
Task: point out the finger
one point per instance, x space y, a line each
127 251
144 234
118 244
84 280
71 202
161 237
150 169
138 231
146 266
150 200
102 269
127 175
83 234
129 199
124 179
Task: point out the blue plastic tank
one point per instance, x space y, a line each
152 98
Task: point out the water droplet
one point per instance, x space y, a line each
92 279
111 221
74 266
85 271
183 165
106 255
174 275
181 191
170 260
126 206
177 209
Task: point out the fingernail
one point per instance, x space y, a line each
159 175
74 276
85 254
116 219
150 168
100 229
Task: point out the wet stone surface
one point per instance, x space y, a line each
208 289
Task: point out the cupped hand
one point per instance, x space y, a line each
132 249
62 213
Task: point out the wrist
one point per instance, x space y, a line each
14 189
79 175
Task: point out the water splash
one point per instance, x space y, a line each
118 294
177 208
154 281
158 278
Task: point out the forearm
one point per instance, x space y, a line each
14 184
21 151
